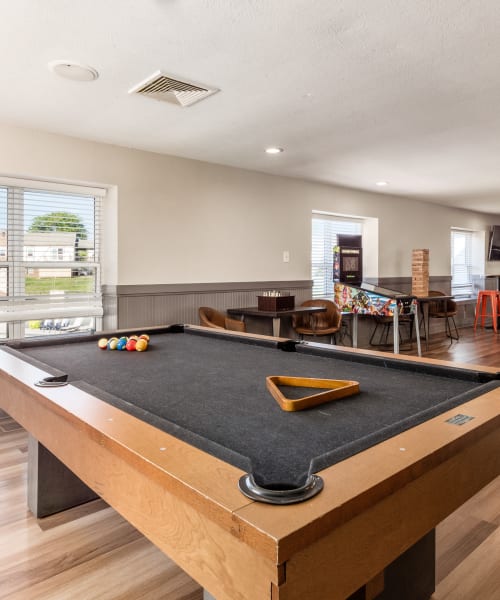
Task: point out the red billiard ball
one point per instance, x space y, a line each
131 345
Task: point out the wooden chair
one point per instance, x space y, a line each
209 317
321 323
444 309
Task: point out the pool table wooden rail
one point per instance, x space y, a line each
181 498
187 502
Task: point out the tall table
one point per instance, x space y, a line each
275 315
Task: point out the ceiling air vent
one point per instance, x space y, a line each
168 89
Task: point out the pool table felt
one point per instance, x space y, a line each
212 393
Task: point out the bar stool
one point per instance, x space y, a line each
482 307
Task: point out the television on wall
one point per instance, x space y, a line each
494 247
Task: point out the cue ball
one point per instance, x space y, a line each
103 343
141 345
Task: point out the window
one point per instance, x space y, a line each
325 229
461 262
49 257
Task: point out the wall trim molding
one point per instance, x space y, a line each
197 288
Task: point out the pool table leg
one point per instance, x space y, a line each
52 487
411 576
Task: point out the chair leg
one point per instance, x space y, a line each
456 336
494 311
373 334
480 310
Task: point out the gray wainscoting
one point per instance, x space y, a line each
147 305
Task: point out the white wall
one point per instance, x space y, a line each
182 221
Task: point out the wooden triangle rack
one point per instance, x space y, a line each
334 389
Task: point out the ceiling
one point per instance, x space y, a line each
354 91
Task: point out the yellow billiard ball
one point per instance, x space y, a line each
141 345
103 343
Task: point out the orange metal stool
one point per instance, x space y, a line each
482 307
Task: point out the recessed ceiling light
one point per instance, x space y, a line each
72 70
381 183
274 150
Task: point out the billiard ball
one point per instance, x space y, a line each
103 343
112 343
141 345
144 336
121 344
130 346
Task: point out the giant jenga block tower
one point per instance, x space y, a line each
420 273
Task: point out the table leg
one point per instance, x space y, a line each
395 328
354 330
276 326
425 321
52 487
417 331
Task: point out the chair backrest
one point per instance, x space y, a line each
332 317
209 317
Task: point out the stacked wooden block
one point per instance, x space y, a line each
420 273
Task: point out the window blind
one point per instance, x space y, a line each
49 253
461 262
325 231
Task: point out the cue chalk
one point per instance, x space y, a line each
335 389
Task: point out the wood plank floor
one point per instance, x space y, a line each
91 553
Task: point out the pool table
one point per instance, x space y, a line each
166 436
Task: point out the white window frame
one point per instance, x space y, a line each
16 308
322 246
462 261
